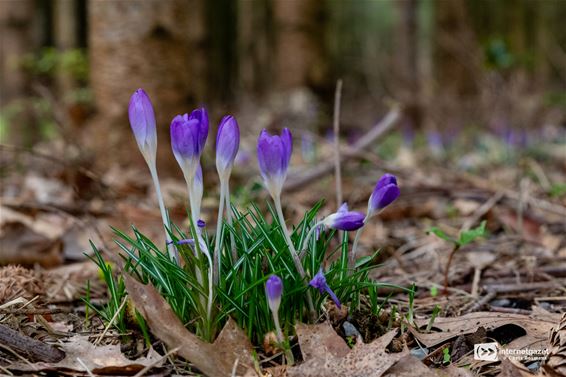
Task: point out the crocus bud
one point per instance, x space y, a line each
273 291
344 219
274 154
385 192
319 282
142 120
227 144
188 136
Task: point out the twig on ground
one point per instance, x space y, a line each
476 305
86 368
481 211
111 322
336 127
148 367
379 130
34 349
520 287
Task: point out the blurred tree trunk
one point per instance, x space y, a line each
18 37
457 64
152 44
255 46
301 58
407 64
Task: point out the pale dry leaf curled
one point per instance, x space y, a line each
216 359
364 360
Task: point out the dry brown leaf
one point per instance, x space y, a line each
555 363
454 371
99 360
409 366
216 359
28 240
535 326
365 360
513 369
316 340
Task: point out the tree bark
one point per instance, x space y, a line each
300 53
152 44
18 37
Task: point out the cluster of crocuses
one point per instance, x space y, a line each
188 137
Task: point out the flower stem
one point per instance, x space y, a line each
229 218
352 259
217 243
200 245
309 234
173 254
294 254
281 340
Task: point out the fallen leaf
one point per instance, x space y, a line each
28 240
409 366
365 360
510 369
316 340
535 326
555 363
216 359
106 359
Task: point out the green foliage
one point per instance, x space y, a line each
116 294
558 190
240 294
446 358
50 60
465 237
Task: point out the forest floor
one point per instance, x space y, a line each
508 287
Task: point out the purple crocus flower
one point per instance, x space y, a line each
201 223
142 120
319 282
273 291
385 192
274 154
227 144
344 219
188 136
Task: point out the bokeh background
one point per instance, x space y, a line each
68 68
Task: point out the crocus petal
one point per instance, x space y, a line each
348 221
319 282
227 143
333 297
142 121
343 207
273 291
385 192
344 219
201 115
184 136
385 180
274 153
383 197
287 141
